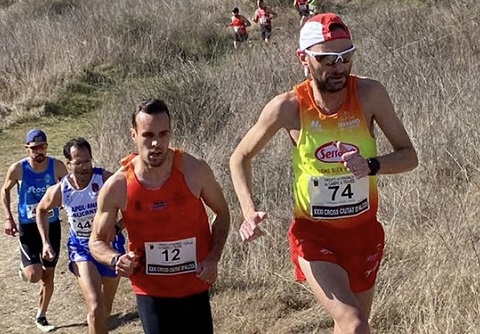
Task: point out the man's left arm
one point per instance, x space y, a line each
404 157
212 195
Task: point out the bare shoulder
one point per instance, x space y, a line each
198 173
57 162
368 87
194 165
14 171
60 168
282 109
374 98
116 182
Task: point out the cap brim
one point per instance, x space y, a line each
35 144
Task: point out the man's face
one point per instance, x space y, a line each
333 77
152 137
37 151
81 164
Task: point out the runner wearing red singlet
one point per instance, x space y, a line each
239 24
303 10
263 16
336 242
174 249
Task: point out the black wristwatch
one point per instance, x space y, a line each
114 260
374 166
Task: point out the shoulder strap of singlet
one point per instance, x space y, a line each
178 159
302 91
127 167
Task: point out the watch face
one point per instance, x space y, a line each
374 166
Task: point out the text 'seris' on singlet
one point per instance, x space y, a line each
324 190
169 229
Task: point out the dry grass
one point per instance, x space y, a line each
425 52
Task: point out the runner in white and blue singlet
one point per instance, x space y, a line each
77 193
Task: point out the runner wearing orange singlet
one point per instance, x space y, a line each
239 24
174 249
336 242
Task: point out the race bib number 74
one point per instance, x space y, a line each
337 197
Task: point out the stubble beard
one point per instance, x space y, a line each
328 87
39 158
154 163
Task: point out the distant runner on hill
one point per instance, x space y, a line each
263 16
77 194
303 10
239 24
32 176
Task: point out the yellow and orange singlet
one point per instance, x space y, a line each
324 190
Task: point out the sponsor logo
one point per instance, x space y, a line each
329 153
157 206
37 191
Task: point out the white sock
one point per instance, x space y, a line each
39 314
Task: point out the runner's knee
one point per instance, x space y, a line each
33 273
352 322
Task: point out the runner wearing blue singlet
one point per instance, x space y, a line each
32 176
77 193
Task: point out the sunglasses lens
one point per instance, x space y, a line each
329 60
347 56
38 147
326 60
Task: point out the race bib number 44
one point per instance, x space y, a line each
171 258
338 197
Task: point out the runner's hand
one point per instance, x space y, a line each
10 227
249 229
126 264
207 271
47 252
353 161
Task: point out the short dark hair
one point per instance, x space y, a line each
78 142
235 10
151 107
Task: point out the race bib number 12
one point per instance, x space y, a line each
171 258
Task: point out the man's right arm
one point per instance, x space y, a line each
111 199
255 17
274 116
11 179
